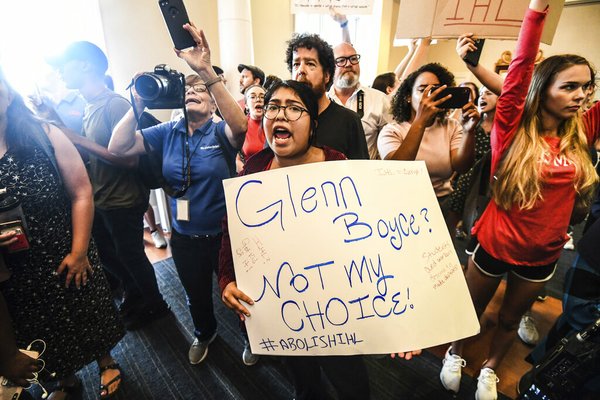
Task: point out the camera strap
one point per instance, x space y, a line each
360 103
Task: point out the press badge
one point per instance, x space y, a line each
183 210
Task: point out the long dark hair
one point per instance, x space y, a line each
23 129
307 96
383 81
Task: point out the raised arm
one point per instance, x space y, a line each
198 58
488 78
419 58
343 21
511 103
125 140
401 67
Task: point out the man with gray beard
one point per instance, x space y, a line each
372 106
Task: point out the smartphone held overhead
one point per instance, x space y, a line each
472 57
176 16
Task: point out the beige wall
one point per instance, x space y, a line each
578 32
272 25
136 38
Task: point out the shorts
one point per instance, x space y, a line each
495 268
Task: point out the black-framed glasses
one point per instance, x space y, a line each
255 97
341 61
291 113
198 87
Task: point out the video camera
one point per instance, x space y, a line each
164 88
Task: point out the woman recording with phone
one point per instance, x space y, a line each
422 130
196 158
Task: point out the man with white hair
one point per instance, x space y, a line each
372 106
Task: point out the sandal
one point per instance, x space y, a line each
104 389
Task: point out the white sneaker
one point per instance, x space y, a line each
569 245
248 357
158 239
451 371
486 385
199 350
527 331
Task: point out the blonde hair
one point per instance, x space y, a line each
520 179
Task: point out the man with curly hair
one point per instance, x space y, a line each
310 60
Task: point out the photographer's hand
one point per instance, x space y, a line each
198 58
78 269
8 238
18 367
138 102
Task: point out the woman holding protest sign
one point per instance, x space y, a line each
290 117
542 178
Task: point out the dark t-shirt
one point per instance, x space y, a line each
341 129
114 186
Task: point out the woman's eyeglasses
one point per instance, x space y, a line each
341 61
198 88
291 113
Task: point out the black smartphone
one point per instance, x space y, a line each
472 57
460 97
175 16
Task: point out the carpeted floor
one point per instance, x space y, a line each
154 361
155 366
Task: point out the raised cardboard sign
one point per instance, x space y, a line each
494 19
348 7
346 257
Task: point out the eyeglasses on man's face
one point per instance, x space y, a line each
341 61
198 87
291 113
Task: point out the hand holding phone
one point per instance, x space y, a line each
460 97
472 56
176 16
15 238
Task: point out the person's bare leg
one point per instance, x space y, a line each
481 288
518 298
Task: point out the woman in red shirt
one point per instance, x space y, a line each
541 175
255 136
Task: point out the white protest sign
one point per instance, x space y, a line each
494 19
348 7
346 257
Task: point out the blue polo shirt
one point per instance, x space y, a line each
208 169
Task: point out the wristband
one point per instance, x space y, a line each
211 82
344 24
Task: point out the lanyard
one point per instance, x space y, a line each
360 103
186 165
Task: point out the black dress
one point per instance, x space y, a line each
78 326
